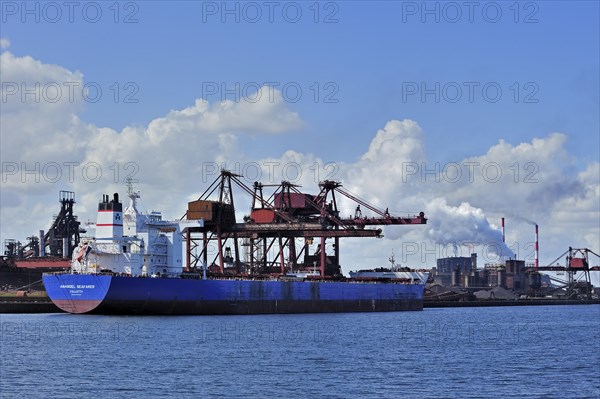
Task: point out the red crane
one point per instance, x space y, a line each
274 225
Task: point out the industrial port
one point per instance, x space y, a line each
460 279
285 233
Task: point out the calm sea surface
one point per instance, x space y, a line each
502 352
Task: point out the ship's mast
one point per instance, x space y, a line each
133 195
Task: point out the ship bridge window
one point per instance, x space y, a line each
124 248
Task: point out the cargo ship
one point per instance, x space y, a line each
134 264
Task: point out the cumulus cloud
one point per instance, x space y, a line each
268 114
40 104
530 175
177 155
4 43
377 175
46 147
528 182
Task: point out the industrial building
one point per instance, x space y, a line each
461 271
452 271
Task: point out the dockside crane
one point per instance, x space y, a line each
274 225
577 260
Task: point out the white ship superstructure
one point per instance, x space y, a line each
413 275
131 242
394 272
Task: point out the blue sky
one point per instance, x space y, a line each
175 47
366 63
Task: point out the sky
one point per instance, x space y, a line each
468 111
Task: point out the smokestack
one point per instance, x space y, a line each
537 248
503 236
42 252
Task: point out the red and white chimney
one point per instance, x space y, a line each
110 218
537 249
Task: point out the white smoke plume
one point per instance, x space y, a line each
464 225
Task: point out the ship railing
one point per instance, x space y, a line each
253 278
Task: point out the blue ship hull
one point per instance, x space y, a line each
107 294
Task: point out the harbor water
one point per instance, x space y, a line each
499 352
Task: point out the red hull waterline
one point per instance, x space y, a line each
78 306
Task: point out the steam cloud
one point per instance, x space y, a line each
463 224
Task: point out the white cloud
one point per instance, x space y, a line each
4 43
168 156
176 156
377 176
39 111
529 181
268 114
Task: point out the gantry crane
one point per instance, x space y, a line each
577 261
274 226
